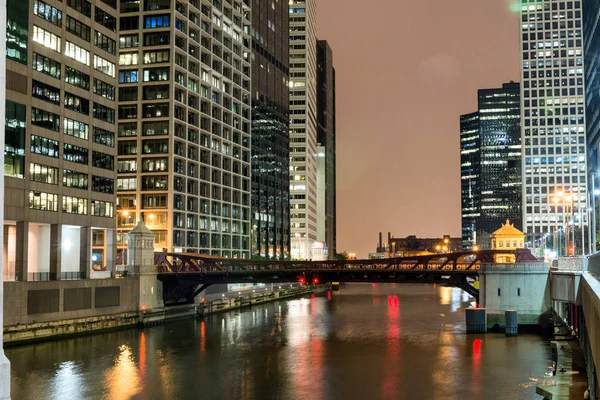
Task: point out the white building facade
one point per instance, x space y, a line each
303 128
553 122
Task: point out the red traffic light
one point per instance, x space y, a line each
302 279
315 281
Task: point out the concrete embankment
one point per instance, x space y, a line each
36 331
569 374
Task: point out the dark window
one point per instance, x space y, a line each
155 128
47 12
105 19
45 92
78 29
156 92
152 5
127 147
128 111
75 154
155 110
14 147
111 3
130 6
157 39
128 93
44 146
75 179
17 27
160 146
104 113
129 23
77 78
102 184
45 65
83 6
76 128
45 119
102 136
104 89
128 129
77 104
156 21
105 43
102 160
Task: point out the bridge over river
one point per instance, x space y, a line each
185 275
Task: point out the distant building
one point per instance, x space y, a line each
491 163
411 246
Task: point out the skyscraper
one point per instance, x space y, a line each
500 152
591 24
470 171
270 130
184 124
60 139
303 127
490 164
553 121
326 185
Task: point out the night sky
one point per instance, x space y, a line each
405 71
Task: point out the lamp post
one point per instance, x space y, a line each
563 198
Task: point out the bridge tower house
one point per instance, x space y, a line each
140 261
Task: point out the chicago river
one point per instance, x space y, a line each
369 341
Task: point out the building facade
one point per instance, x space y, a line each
326 161
500 153
270 209
184 120
591 25
470 171
303 127
553 122
60 139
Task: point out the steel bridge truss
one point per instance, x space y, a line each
185 275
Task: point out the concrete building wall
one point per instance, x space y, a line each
23 299
521 287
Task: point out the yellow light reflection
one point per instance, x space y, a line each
123 378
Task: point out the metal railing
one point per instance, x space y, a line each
71 275
41 276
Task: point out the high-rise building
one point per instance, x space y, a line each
591 26
60 139
326 184
470 171
553 126
270 209
184 124
500 153
490 164
303 127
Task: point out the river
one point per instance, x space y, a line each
369 341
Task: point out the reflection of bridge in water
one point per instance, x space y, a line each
185 275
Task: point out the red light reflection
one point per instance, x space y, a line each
142 355
390 384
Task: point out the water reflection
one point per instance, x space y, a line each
123 378
365 342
